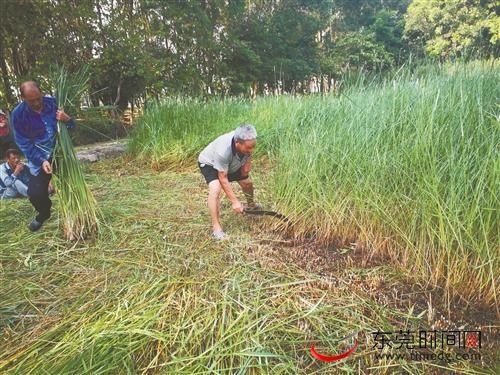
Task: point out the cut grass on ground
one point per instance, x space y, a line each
153 294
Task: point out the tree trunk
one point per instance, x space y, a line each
5 77
253 90
101 27
114 111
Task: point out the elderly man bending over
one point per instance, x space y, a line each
227 159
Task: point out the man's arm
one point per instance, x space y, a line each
226 186
245 168
221 164
32 153
64 117
5 178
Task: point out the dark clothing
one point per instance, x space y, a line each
39 196
210 174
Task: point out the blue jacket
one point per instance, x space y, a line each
35 133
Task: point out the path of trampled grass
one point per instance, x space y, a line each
153 294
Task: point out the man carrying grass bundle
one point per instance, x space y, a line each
35 126
227 159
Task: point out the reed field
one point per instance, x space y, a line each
391 186
408 165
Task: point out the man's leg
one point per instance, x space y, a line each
21 188
214 189
10 193
38 195
247 187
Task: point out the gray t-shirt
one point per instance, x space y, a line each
222 155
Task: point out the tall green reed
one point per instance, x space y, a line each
172 131
407 166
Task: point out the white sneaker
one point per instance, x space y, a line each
219 235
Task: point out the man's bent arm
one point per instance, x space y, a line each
226 186
31 151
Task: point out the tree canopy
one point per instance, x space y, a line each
445 28
138 49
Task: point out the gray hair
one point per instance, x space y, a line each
245 132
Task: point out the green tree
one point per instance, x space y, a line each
125 59
21 40
365 34
273 42
444 28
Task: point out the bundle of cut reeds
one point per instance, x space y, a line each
80 214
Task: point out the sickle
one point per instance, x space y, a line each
267 213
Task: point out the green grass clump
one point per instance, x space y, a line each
408 166
170 132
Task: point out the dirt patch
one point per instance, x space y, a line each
98 151
352 268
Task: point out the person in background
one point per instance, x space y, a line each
35 127
14 176
227 159
6 135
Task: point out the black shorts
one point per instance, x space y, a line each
210 174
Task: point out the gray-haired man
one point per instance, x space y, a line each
227 159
